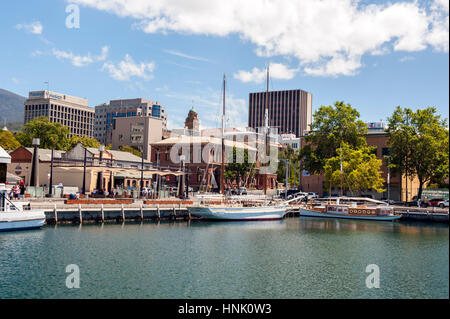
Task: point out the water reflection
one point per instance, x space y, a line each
405 228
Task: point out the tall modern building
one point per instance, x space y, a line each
289 111
105 114
72 112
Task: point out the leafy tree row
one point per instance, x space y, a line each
51 135
419 147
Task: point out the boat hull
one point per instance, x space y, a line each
238 213
312 213
11 221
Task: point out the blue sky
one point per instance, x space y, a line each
374 55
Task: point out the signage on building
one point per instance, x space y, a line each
431 193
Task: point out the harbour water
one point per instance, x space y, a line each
291 258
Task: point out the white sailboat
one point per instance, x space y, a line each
238 212
14 217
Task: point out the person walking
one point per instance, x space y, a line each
22 189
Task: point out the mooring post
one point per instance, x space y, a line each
123 214
55 212
103 214
158 212
174 212
142 213
80 213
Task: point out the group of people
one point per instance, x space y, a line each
103 193
17 191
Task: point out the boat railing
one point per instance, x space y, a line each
7 204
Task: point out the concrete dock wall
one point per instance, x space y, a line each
98 215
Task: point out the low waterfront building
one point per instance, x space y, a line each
5 159
72 112
202 151
116 169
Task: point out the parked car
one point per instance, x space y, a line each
235 191
414 203
443 204
289 193
312 195
298 195
436 201
242 191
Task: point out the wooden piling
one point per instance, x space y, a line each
123 213
80 213
55 212
142 213
103 214
158 212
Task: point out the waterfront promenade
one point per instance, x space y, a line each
106 210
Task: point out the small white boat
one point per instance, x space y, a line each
350 211
238 213
14 217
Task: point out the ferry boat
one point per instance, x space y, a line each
241 212
14 217
351 211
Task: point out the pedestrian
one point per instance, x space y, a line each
16 191
22 189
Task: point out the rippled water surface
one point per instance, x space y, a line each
292 258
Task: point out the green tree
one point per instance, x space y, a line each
333 125
8 141
130 149
419 143
84 140
240 172
360 170
50 134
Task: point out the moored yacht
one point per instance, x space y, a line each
351 210
14 217
237 212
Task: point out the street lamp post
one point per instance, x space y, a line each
181 190
286 177
388 177
84 171
50 191
35 166
142 174
101 149
187 180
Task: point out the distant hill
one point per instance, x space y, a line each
11 107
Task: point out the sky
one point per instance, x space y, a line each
375 55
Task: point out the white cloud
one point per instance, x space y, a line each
15 80
127 68
327 37
277 71
80 60
209 104
33 27
407 58
187 56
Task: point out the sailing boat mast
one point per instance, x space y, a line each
342 173
222 169
266 126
